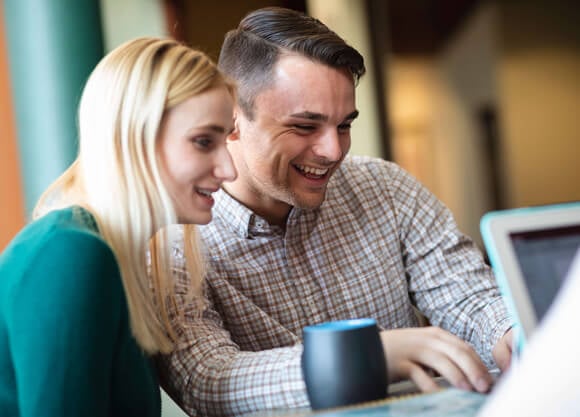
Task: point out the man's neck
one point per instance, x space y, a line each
276 215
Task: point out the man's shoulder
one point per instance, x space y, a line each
366 180
368 171
355 164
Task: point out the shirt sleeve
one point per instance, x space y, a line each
62 320
448 278
209 375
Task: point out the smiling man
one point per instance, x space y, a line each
288 153
307 234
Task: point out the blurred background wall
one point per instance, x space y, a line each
478 99
11 198
539 97
484 101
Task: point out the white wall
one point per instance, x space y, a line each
127 19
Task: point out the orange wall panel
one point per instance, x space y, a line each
12 216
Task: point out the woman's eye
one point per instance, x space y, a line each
202 142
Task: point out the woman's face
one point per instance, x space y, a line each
193 154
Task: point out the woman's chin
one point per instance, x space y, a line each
196 218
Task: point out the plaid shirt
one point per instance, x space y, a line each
379 245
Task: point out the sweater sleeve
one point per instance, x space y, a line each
63 318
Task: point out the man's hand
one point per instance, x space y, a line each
412 353
502 351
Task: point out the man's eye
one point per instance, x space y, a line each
305 127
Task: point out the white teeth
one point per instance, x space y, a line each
204 192
311 170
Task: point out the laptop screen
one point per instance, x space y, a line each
544 257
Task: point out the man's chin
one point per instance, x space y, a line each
310 202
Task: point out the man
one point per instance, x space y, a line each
306 234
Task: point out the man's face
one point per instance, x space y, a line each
299 136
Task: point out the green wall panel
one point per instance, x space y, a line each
53 45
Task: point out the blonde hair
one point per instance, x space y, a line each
116 175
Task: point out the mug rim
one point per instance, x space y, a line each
348 324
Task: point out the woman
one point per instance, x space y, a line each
79 317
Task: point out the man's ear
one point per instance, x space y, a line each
235 134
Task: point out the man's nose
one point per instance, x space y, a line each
328 145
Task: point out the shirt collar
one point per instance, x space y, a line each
243 221
248 225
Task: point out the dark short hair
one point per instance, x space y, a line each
250 51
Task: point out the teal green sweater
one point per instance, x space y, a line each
66 348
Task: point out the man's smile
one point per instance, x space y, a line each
312 172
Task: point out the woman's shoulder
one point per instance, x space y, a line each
69 219
62 239
59 223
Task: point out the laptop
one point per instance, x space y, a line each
531 250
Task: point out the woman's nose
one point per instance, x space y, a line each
224 168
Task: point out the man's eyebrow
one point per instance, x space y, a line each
352 116
310 116
321 117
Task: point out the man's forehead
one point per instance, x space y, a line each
302 88
290 64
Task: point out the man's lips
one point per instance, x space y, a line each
312 172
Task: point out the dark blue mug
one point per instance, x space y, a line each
343 363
